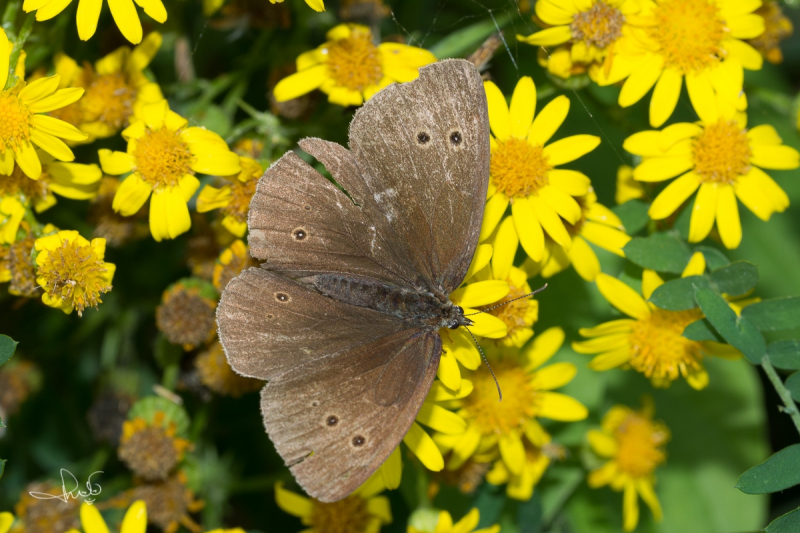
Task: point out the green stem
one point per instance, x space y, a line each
783 392
24 32
9 16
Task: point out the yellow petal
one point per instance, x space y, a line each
528 227
776 157
570 149
422 445
609 360
57 128
522 108
749 191
728 224
448 371
645 488
292 503
217 163
662 168
505 247
512 452
772 190
486 325
133 192
630 507
61 98
544 346
550 221
115 163
583 258
701 93
570 182
135 520
91 520
548 121
665 96
465 351
127 19
622 297
703 212
640 81
557 406
492 214
440 419
621 325
52 145
464 449
392 470
673 196
480 293
554 376
603 343
549 37
483 254
748 56
154 8
39 89
605 237
27 159
51 9
747 26
499 119
563 204
602 444
87 17
4 57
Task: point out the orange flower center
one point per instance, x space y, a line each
241 194
349 515
776 28
14 120
518 168
639 445
109 99
689 33
599 26
659 349
355 62
74 272
20 184
519 404
162 158
722 152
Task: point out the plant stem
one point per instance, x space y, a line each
783 392
24 32
9 15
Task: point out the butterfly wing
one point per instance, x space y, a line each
345 382
423 151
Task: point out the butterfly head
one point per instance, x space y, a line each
454 317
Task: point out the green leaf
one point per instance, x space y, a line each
701 331
736 278
785 354
662 252
788 523
775 314
490 501
739 332
678 294
633 215
714 258
7 348
465 41
793 385
779 472
2 467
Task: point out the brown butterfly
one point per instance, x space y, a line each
342 318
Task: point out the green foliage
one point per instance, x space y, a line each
793 386
737 331
779 472
775 314
678 294
788 523
785 354
662 252
734 279
7 348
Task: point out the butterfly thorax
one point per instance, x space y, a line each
420 308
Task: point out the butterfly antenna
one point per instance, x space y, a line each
483 355
540 289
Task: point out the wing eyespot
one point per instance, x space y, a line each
456 138
359 440
332 420
282 297
307 207
269 316
299 234
423 137
315 403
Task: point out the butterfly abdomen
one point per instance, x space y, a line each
421 309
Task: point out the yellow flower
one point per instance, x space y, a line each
135 520
720 157
523 172
584 32
11 212
216 374
234 198
651 341
424 521
71 271
627 187
520 315
163 155
520 485
123 12
6 519
151 449
349 68
22 124
699 40
364 511
634 446
777 27
116 88
457 345
70 180
316 5
598 225
498 428
231 262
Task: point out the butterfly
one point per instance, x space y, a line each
343 317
